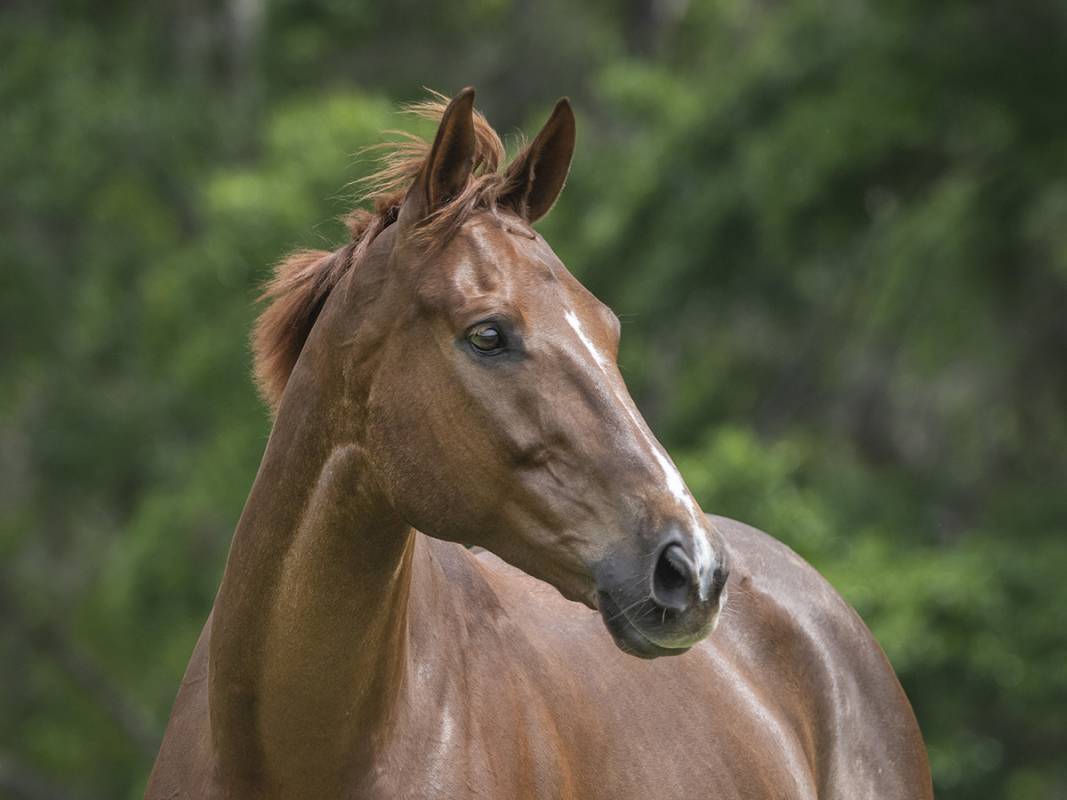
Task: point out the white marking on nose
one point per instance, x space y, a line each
705 561
576 324
702 553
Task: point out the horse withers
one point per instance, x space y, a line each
443 379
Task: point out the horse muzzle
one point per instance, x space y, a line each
664 604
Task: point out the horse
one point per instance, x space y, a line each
467 568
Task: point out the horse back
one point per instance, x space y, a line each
797 639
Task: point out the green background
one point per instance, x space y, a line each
836 234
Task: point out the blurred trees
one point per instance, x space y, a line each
836 235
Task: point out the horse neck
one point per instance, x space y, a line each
309 626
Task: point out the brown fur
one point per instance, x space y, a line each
303 279
296 293
356 649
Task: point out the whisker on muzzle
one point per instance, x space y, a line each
622 612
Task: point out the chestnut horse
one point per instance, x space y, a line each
443 379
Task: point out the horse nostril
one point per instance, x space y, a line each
672 578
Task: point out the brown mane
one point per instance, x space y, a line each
303 280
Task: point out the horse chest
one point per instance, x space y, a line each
543 741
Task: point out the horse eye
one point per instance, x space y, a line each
486 337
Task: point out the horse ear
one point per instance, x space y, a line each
536 176
448 167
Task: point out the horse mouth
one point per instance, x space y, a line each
628 636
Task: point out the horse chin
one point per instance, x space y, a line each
579 594
572 584
627 636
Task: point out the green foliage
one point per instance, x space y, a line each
836 236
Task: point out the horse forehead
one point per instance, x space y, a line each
492 259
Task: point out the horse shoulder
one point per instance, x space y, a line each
788 621
471 719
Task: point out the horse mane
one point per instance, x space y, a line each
301 282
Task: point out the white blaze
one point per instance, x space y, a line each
675 485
